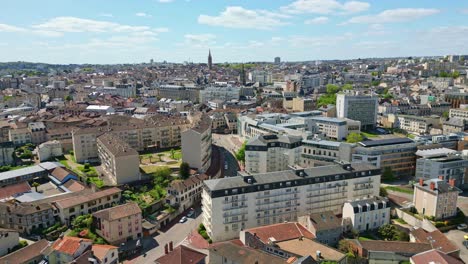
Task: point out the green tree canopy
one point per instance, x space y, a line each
354 138
347 87
184 170
332 89
240 155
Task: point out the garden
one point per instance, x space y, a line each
82 226
150 162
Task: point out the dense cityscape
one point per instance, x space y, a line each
277 161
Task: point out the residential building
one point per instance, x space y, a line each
325 226
120 161
225 93
184 194
182 255
177 92
38 132
434 256
30 254
24 217
66 249
436 239
289 240
71 207
8 240
379 251
455 125
49 150
367 214
19 136
119 223
443 167
459 112
262 77
7 149
230 252
267 153
106 254
300 104
262 199
196 145
333 128
436 198
395 154
417 124
358 107
324 152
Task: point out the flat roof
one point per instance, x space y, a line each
20 172
383 142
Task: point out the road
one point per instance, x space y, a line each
456 236
228 145
154 247
231 166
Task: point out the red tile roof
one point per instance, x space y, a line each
118 212
436 238
68 245
26 254
100 251
434 256
281 232
181 255
11 190
77 200
60 173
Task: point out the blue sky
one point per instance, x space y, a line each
128 31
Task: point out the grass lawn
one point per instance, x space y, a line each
369 135
362 238
400 189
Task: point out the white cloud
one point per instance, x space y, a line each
239 17
200 39
47 33
320 41
395 15
75 24
161 30
106 15
316 21
165 1
10 28
142 14
325 7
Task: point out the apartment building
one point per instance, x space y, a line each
8 240
154 131
444 167
436 198
333 128
459 112
24 217
417 124
177 92
49 150
19 136
119 223
324 152
38 132
358 107
219 93
262 199
71 207
120 161
196 145
455 125
184 194
7 150
395 154
366 214
267 153
300 104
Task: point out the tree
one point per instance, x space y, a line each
68 98
240 155
332 89
455 74
383 192
387 174
387 231
445 114
35 185
184 171
443 74
354 138
347 87
172 154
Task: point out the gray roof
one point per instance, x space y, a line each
281 176
20 172
368 201
323 142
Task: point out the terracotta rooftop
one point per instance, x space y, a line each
436 238
243 254
181 255
306 247
434 256
393 246
180 185
60 173
84 198
281 232
100 251
74 186
11 190
118 212
69 245
325 221
25 254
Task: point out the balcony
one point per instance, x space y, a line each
232 207
232 200
226 221
275 193
230 214
292 211
277 200
266 208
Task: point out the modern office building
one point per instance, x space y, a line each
358 107
395 154
333 128
324 152
196 145
267 153
225 93
236 203
443 167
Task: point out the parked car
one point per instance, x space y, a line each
462 226
465 237
183 219
465 243
191 213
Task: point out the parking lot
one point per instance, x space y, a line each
456 236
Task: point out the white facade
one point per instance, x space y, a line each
367 214
361 108
49 150
235 203
8 240
196 145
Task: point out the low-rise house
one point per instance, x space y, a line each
8 240
106 254
379 251
119 224
436 239
434 256
71 207
325 226
182 255
61 175
367 214
234 252
185 193
436 198
66 249
31 254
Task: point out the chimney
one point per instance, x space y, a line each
421 181
171 246
166 249
441 177
452 182
432 186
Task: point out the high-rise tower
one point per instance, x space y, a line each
210 60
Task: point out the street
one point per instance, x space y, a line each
154 246
456 236
228 149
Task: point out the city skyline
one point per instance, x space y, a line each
234 31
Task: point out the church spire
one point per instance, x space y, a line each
210 60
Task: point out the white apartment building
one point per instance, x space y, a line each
49 149
417 124
236 203
358 107
459 112
333 128
269 153
367 214
196 145
324 152
118 159
8 240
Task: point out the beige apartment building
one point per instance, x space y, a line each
120 161
300 104
436 198
25 217
154 131
119 224
71 207
196 145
